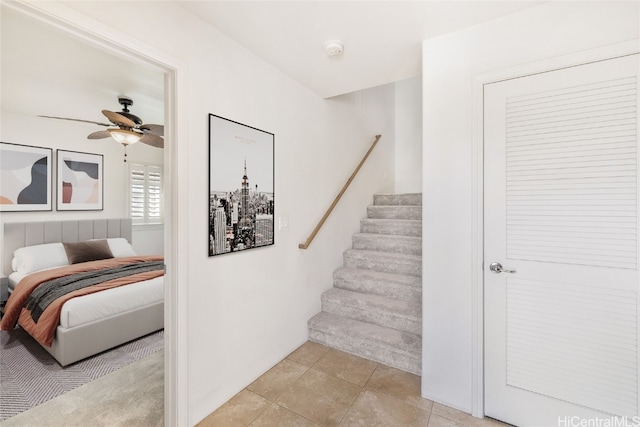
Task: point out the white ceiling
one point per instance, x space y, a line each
49 72
382 39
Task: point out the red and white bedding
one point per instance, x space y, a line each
83 305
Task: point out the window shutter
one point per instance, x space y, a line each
145 194
154 195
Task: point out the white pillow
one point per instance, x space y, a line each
39 257
120 247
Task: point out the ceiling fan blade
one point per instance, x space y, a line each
76 120
153 129
118 119
99 135
153 140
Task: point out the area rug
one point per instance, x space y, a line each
30 376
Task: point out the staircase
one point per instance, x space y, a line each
374 309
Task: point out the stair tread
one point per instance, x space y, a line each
395 206
388 226
399 308
387 243
388 236
356 273
380 254
398 194
404 199
408 208
382 220
395 211
397 286
398 341
388 262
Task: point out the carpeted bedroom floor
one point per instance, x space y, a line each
29 376
132 396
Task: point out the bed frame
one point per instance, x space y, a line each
73 344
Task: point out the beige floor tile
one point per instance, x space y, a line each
372 409
308 353
438 421
277 379
320 398
277 416
463 418
399 384
346 366
239 411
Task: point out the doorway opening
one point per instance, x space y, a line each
111 42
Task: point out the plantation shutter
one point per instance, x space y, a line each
145 194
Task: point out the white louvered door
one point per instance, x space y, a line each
561 209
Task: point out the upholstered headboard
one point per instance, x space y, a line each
19 234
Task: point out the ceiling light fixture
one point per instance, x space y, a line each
125 137
334 47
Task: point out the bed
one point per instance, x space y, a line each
92 323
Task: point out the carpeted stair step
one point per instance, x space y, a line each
407 288
386 262
409 245
396 314
394 212
411 199
398 227
388 346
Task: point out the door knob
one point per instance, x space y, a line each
497 268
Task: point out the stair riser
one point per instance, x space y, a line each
388 244
389 320
392 290
370 350
393 266
394 212
414 199
390 227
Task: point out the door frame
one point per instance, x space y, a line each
477 267
107 38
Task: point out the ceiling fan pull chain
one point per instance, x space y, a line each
125 154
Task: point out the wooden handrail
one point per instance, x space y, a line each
306 244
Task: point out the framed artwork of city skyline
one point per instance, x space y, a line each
25 178
80 181
241 187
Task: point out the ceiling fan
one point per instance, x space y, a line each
125 127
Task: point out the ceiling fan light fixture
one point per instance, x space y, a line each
124 127
125 137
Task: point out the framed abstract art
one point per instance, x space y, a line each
80 181
25 178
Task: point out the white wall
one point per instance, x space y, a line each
449 64
148 240
408 155
247 311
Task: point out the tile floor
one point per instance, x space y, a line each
319 386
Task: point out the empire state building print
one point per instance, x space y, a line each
241 196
